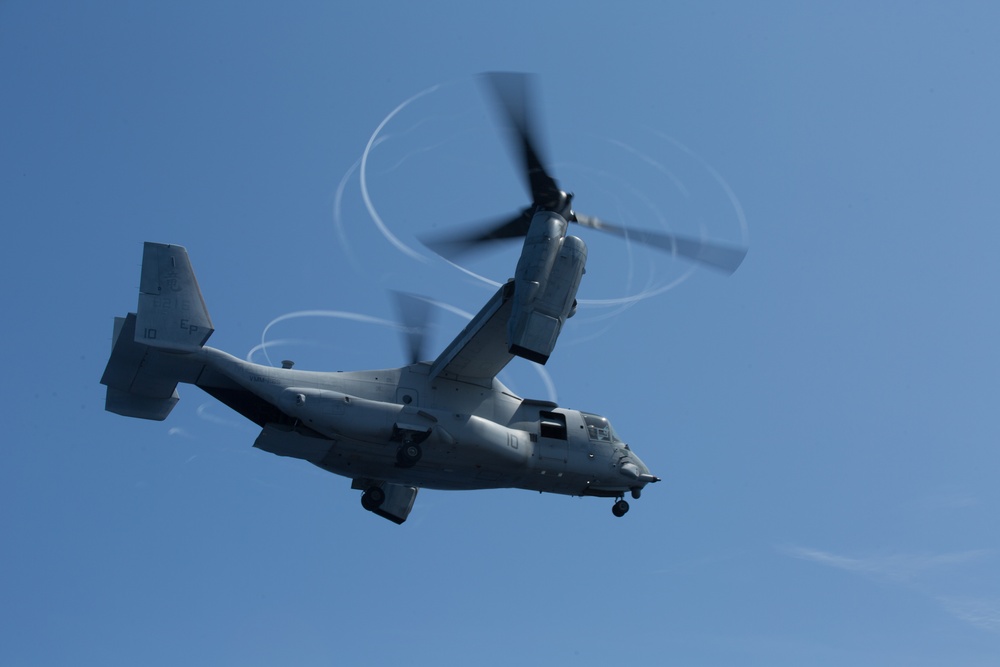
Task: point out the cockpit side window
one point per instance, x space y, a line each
599 428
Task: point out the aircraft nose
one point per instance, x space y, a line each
639 472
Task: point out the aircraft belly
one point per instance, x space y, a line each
550 478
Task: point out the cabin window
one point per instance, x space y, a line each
552 425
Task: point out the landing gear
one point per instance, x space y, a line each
620 508
408 455
409 440
372 498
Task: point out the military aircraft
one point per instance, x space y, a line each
446 423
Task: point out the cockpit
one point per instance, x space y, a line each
599 428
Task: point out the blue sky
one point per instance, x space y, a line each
824 420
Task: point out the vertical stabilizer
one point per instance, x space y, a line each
172 313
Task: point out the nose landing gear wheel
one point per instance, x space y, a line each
620 508
372 498
408 455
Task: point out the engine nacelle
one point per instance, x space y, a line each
547 279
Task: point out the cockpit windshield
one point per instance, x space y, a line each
599 428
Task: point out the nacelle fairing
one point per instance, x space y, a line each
333 413
546 281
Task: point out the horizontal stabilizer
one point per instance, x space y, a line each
140 407
135 378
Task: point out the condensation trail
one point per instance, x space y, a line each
341 187
367 319
376 140
402 247
730 194
202 413
338 224
619 304
338 218
279 342
550 386
338 314
624 302
733 199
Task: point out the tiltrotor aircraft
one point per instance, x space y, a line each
448 423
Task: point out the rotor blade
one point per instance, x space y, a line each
414 317
513 91
453 245
718 256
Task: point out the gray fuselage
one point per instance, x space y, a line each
472 437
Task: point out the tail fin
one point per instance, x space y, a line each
144 369
172 312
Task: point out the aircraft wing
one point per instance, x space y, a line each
481 350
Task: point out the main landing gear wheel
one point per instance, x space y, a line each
372 498
620 508
408 455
